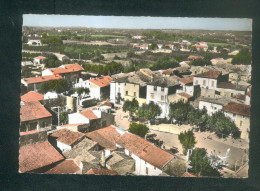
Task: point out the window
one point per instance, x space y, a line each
241 123
204 82
231 94
134 94
234 115
126 92
217 92
212 83
32 126
155 88
154 168
152 95
146 170
162 97
23 128
162 88
43 124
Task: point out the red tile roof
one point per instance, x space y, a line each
105 137
185 95
238 108
66 136
72 125
168 72
145 150
41 79
89 114
102 172
33 110
65 167
241 97
40 57
107 104
186 80
35 156
226 85
187 174
32 96
102 81
30 132
69 68
210 74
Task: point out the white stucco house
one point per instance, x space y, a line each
149 159
65 139
116 92
84 116
51 95
39 60
34 43
210 79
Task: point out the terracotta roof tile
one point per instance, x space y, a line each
102 81
210 74
102 172
41 79
89 114
65 167
145 150
67 136
186 80
32 96
168 72
69 68
185 95
33 110
105 137
29 132
40 57
107 104
35 156
237 108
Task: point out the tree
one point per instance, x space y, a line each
179 111
187 140
130 106
138 129
243 57
222 125
153 46
202 62
80 91
148 111
198 118
176 167
51 40
54 85
200 164
64 117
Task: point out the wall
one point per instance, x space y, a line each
205 83
77 118
230 92
211 107
46 72
94 91
63 147
36 124
209 93
141 165
115 89
33 138
107 119
160 97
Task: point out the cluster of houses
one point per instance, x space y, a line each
90 143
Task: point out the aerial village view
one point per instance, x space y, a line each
153 102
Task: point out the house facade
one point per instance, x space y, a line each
135 91
240 114
117 92
34 116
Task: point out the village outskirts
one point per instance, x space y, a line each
135 102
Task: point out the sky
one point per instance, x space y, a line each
127 22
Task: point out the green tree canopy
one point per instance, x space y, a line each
51 40
179 111
222 125
201 165
54 85
243 57
138 129
187 140
80 91
153 46
130 106
148 111
64 117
